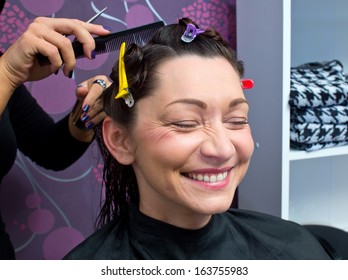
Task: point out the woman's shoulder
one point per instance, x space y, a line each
292 240
262 222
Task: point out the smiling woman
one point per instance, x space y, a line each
173 161
183 131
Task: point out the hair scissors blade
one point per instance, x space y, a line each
92 19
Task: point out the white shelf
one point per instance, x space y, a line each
329 152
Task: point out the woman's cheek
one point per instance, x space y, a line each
244 145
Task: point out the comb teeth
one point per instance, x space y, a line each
140 38
104 44
139 35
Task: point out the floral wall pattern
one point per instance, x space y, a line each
47 213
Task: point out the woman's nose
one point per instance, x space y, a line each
218 144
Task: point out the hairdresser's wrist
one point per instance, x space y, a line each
6 89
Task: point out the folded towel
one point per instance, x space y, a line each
337 114
316 146
318 85
311 133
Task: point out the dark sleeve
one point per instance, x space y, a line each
47 143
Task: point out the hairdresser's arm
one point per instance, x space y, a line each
46 36
55 145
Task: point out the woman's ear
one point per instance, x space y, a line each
117 141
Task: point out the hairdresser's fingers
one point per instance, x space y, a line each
59 51
91 90
73 26
19 60
90 123
90 111
90 93
93 121
94 115
46 36
53 31
50 43
81 30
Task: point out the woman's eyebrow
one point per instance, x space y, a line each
189 101
203 105
238 101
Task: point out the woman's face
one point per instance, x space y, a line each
191 143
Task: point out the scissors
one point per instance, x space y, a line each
92 19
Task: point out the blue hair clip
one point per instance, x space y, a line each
190 33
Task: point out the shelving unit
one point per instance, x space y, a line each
272 36
331 152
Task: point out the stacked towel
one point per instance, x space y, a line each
319 106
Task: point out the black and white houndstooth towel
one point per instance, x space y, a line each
319 106
318 85
337 114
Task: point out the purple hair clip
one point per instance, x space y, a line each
190 33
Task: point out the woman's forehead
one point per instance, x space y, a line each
193 70
193 80
194 74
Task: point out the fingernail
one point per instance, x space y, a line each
85 108
93 54
70 74
107 28
90 125
84 118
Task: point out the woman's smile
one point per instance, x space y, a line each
211 179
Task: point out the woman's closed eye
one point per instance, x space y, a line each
231 123
236 122
185 124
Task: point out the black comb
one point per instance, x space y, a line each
104 44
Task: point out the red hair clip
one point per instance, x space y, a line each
247 84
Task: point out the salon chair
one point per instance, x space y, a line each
334 240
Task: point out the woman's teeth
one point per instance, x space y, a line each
211 178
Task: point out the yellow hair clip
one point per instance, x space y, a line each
123 91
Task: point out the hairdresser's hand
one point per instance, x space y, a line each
88 110
46 36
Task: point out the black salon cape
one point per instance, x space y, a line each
236 234
24 125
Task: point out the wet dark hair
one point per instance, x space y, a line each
141 63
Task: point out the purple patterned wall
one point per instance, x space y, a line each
47 213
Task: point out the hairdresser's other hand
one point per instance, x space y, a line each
89 108
47 36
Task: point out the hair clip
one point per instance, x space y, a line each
123 91
247 84
190 33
